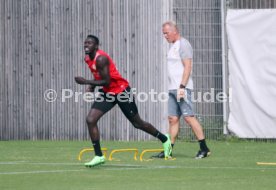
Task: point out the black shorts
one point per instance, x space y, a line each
125 100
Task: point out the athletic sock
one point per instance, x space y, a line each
161 137
97 148
202 145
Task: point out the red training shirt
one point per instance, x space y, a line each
117 82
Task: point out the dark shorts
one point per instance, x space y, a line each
125 100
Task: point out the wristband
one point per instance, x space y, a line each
182 86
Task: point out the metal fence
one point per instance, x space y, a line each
200 22
250 4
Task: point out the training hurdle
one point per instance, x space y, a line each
135 150
149 150
152 150
267 163
90 150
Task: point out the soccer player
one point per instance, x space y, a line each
116 90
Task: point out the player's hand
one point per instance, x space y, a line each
90 88
181 93
81 80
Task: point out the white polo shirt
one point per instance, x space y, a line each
179 51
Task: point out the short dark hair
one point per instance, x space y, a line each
95 38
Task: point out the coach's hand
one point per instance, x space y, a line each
81 80
181 94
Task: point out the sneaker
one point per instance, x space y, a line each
160 155
167 147
97 160
203 154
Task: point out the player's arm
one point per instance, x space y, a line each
102 65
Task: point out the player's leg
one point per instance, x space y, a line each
138 123
129 108
174 115
92 119
99 108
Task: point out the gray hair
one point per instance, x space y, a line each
171 24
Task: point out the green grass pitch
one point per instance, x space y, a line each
51 165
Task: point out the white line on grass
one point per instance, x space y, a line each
129 167
184 167
225 167
38 172
143 168
10 162
43 163
38 163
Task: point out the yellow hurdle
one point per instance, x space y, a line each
90 150
135 150
149 150
267 163
152 150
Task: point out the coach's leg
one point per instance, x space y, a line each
174 127
198 131
196 127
